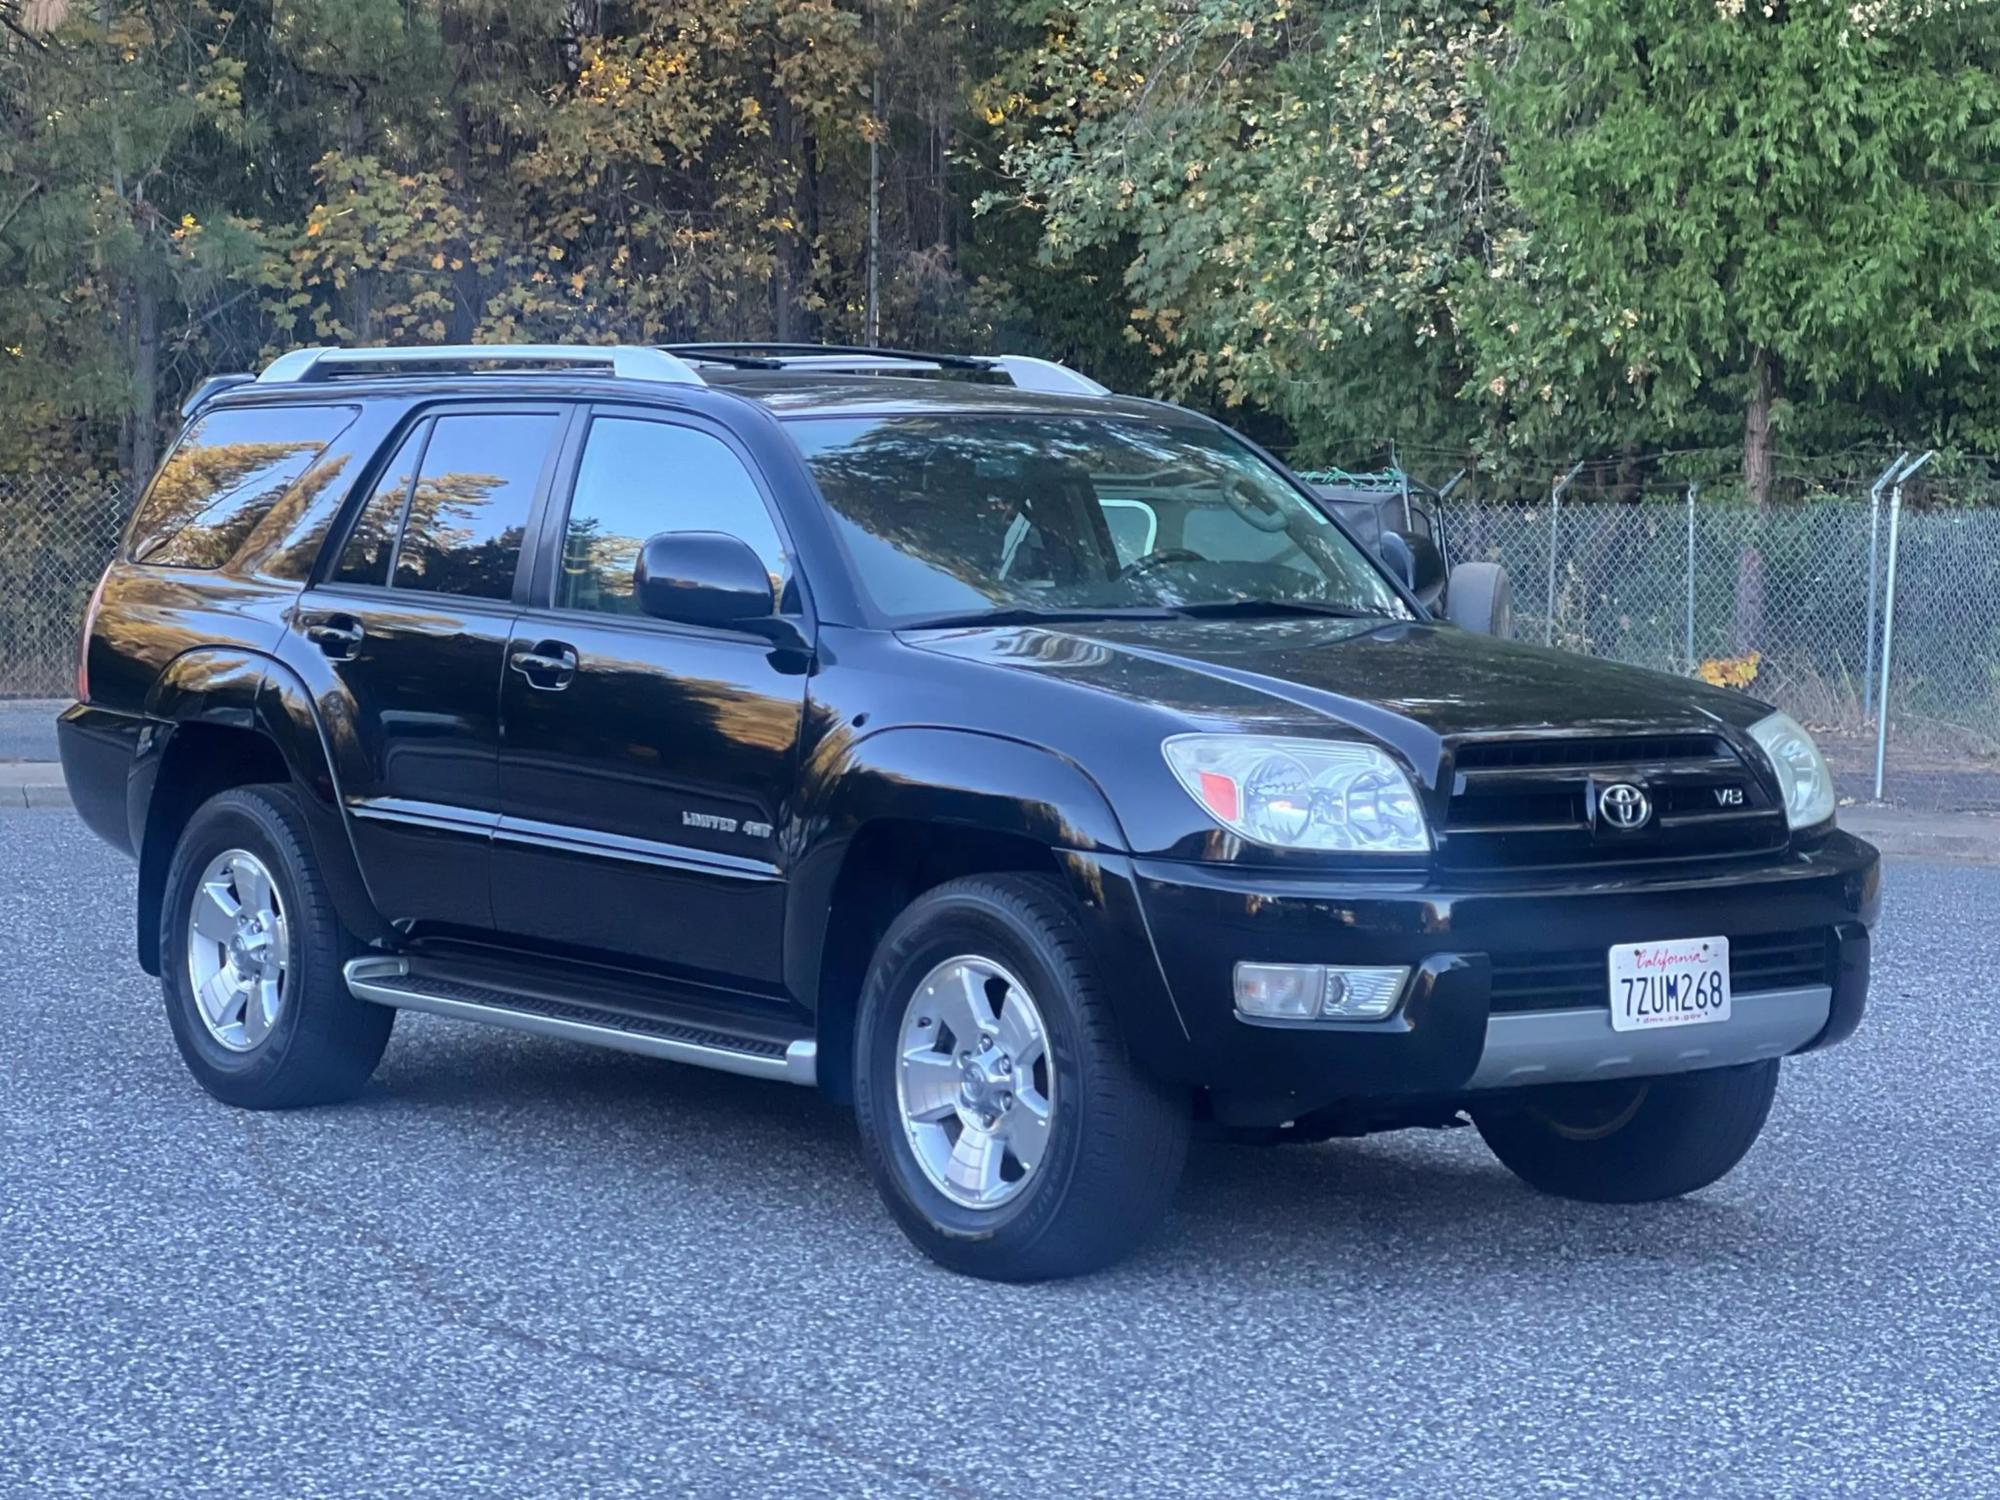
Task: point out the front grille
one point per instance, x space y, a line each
1587 751
1525 803
1580 978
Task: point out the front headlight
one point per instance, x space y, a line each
1802 773
1301 794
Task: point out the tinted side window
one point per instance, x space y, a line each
372 542
638 478
469 509
224 477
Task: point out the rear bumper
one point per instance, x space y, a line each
1446 1040
99 749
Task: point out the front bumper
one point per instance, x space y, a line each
1446 1040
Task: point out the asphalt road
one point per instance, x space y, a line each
523 1269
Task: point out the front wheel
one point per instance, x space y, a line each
1630 1141
1009 1131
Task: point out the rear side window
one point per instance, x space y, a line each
371 546
451 520
469 509
225 476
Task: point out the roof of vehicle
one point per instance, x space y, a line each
790 380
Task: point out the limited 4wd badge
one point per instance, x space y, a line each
716 823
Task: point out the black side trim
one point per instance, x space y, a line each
1850 945
589 1015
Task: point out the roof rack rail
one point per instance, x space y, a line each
209 389
1026 372
626 361
1032 374
778 356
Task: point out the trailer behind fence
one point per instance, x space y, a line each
1777 600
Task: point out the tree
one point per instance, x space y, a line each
1297 187
1729 204
121 240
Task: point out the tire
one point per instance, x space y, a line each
1634 1141
1480 598
1111 1155
321 1044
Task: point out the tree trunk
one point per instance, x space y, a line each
145 412
360 312
1747 627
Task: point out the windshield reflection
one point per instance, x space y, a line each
955 517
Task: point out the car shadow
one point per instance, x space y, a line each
1400 1208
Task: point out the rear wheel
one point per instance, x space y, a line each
250 960
1631 1141
1009 1132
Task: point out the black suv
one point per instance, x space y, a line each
1047 773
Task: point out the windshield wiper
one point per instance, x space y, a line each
1028 614
1222 609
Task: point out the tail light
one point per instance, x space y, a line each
89 629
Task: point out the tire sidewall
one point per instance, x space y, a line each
936 929
234 821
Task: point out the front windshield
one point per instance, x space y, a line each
950 516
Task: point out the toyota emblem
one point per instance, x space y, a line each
1624 805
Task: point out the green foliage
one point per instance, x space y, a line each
1695 182
1500 232
1299 186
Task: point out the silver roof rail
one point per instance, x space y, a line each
1031 374
625 361
1024 370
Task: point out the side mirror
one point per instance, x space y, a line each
702 578
1415 560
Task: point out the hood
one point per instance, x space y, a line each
1384 678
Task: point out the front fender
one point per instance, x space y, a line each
947 779
953 776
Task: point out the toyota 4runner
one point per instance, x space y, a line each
1043 772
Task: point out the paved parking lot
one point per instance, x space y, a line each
522 1269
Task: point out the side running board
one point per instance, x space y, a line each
389 981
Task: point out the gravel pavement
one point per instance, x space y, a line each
519 1268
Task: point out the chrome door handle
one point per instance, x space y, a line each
337 636
549 665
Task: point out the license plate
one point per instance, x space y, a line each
1682 983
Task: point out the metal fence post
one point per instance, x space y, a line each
1889 622
1687 647
1555 516
1874 540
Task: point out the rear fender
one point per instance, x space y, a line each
250 693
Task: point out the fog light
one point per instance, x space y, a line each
1317 992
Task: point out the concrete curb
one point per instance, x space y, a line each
1965 838
31 784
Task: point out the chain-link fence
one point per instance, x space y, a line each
1658 581
56 534
1790 603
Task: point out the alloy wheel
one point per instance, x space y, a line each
238 950
975 1082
